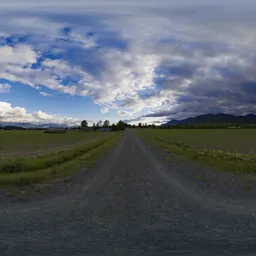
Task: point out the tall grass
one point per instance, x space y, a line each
235 162
234 140
60 166
23 164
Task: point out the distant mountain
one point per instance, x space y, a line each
12 127
215 119
29 125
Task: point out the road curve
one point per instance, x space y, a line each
132 201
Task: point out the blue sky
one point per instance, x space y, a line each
139 61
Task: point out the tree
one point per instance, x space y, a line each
94 127
84 124
106 123
113 127
100 123
140 125
121 125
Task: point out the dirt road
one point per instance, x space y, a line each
132 201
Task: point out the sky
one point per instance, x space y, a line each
138 61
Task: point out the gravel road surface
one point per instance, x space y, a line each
131 202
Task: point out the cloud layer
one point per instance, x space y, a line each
169 59
9 114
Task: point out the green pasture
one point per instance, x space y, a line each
28 169
17 143
224 149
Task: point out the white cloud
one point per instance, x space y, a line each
123 113
48 77
60 68
149 120
85 42
4 88
104 110
126 74
45 94
19 54
8 113
36 26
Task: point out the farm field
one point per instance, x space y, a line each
57 155
231 150
233 140
18 143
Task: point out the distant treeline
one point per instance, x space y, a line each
209 126
11 127
101 125
121 126
198 126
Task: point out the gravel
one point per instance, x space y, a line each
133 201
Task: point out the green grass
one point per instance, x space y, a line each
234 140
26 142
224 160
83 158
28 163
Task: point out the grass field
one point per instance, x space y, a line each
234 140
226 149
17 143
29 169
